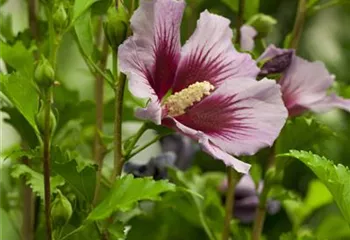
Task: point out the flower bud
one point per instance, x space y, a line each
262 23
44 74
40 120
115 26
61 210
276 64
60 18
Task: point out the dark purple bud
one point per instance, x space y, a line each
277 64
183 148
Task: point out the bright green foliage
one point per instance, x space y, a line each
18 57
126 192
293 135
80 6
26 100
298 210
8 228
36 180
82 179
335 177
84 35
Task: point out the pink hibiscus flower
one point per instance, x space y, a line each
214 97
305 84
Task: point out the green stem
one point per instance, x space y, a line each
46 161
134 140
119 86
140 149
261 210
298 24
232 177
48 97
99 149
240 20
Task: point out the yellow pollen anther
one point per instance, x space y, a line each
177 103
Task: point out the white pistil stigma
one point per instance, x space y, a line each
177 103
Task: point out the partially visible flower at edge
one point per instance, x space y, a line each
215 98
305 84
248 33
246 199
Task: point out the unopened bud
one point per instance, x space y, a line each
115 26
44 74
61 210
262 23
60 18
40 120
277 64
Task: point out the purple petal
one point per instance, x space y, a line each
272 51
152 112
329 102
151 55
304 86
209 55
247 37
207 146
240 117
276 60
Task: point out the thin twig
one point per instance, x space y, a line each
298 24
240 20
140 149
33 23
47 146
99 149
261 210
232 177
119 96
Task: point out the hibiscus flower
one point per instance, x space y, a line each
304 84
206 89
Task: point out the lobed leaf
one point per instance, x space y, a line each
81 176
126 192
36 180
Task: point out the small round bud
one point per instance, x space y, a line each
40 120
61 210
60 18
44 74
262 23
115 26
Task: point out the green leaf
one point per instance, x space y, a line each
335 177
84 35
80 6
251 7
117 230
18 57
8 227
81 176
316 197
293 136
22 93
36 180
126 192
